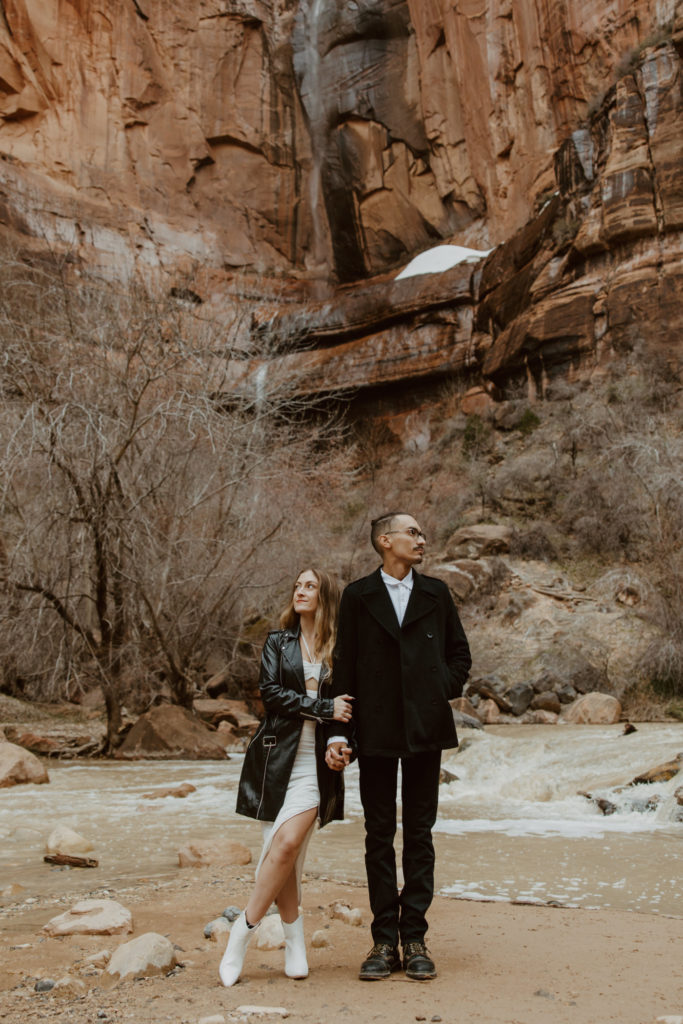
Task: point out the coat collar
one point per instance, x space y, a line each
291 652
378 602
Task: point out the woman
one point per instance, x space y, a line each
285 781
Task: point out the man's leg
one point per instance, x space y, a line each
420 798
378 794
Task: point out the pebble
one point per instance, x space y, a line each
44 985
231 913
319 939
217 1018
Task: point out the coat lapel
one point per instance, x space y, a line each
292 654
420 603
379 604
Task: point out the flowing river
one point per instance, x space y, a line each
511 826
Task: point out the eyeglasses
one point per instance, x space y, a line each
412 531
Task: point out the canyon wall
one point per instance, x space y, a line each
313 137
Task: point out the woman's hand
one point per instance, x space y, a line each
342 708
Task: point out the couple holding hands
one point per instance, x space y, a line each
368 677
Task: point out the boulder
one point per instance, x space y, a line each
489 712
18 766
235 712
201 853
592 709
546 701
147 955
562 665
216 928
478 540
170 732
464 706
466 721
661 773
519 698
542 717
92 917
469 578
63 840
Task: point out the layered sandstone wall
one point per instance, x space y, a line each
292 134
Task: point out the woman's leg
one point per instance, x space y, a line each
278 872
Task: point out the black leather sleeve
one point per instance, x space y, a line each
278 698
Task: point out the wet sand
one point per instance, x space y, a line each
497 962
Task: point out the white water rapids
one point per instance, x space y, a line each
510 827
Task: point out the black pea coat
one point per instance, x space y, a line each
401 676
270 755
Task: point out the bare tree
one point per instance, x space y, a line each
146 483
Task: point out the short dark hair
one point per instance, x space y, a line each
381 525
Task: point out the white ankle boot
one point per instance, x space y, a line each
235 951
296 964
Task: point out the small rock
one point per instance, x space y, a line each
100 959
270 933
44 985
70 985
341 911
231 913
629 728
217 1018
435 1018
64 840
320 939
446 776
214 929
92 917
149 954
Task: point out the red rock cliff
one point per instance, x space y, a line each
286 135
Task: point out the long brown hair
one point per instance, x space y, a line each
325 622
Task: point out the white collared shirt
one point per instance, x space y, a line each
399 592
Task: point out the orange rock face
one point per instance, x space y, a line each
314 133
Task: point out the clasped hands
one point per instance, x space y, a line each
338 754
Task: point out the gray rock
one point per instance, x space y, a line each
44 985
566 693
231 913
466 721
519 697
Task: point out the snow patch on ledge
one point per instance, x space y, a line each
440 258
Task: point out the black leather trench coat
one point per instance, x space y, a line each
401 676
270 755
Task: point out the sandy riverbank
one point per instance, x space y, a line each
497 962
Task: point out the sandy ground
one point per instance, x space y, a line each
496 962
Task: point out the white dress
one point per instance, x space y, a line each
302 789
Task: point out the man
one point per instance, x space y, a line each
402 655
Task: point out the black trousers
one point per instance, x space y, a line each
400 915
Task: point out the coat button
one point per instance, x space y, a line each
430 636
